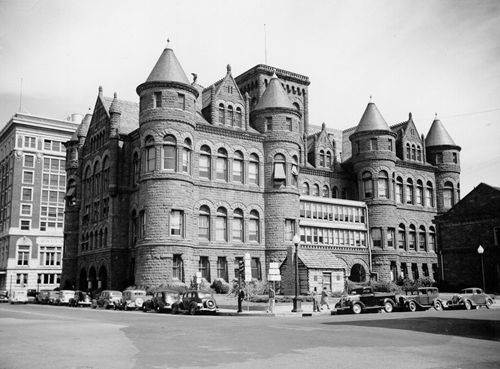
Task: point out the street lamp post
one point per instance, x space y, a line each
297 308
480 251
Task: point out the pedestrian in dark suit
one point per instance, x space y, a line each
241 297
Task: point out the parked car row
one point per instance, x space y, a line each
365 298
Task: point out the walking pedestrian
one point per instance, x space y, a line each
272 296
314 295
241 297
324 299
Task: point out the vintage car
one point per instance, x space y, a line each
195 301
364 298
64 297
19 297
52 297
107 299
42 297
162 301
469 298
422 299
4 296
80 298
133 299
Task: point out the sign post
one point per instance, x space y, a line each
274 276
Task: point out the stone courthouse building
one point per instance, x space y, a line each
192 178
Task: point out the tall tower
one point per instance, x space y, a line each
442 152
277 118
166 127
374 161
74 147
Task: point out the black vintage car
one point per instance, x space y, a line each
363 299
195 301
162 301
422 299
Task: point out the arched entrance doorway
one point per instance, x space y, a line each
103 278
82 281
358 273
92 280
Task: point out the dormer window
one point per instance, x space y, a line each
221 114
238 118
230 116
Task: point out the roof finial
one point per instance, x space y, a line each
410 115
115 95
370 99
168 43
100 90
228 68
435 116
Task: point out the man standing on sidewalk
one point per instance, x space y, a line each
241 297
272 296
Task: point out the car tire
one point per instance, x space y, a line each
438 305
489 302
193 308
388 307
356 309
467 305
412 306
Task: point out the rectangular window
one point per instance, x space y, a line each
204 166
253 173
377 237
22 279
439 158
391 235
455 158
256 269
23 252
26 209
374 144
204 267
176 222
421 241
29 161
30 142
28 176
222 268
221 168
157 99
181 101
289 124
25 225
178 267
269 124
142 224
204 227
27 194
150 158
238 171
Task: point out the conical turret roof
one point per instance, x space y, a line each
274 96
372 120
168 69
438 135
83 128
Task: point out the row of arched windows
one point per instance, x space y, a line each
325 191
223 227
229 116
96 180
325 158
97 140
94 240
224 169
419 240
413 152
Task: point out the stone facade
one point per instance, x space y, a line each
192 179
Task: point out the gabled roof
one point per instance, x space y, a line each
228 79
372 120
129 120
168 69
274 96
482 202
438 135
321 260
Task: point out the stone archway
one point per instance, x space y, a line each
103 278
82 281
358 273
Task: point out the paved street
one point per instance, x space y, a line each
38 336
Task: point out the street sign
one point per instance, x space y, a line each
274 265
274 272
274 278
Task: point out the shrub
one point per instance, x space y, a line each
179 286
219 285
390 287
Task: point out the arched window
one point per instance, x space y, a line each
413 153
326 191
305 188
137 168
221 166
399 190
221 114
421 239
254 227
279 172
238 118
134 227
429 194
432 239
420 192
402 237
383 185
335 192
205 166
169 152
221 225
253 169
150 156
178 267
409 191
97 179
315 191
408 151
230 116
448 195
186 156
105 238
328 159
237 230
88 182
238 167
321 158
296 106
367 185
419 153
413 237
204 223
105 174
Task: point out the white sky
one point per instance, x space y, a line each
420 56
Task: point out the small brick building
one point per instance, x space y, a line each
472 222
192 178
